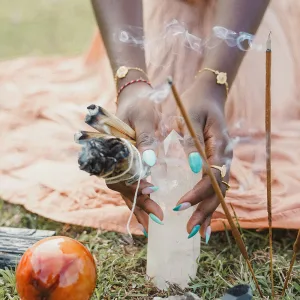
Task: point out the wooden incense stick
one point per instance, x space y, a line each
268 155
296 249
215 184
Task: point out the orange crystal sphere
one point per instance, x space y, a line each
56 268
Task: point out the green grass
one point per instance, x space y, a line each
43 27
65 27
121 267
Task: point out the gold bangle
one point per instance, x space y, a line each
227 185
222 169
221 78
123 71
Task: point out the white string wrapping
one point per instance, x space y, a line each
118 178
135 196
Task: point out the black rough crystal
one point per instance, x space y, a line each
239 292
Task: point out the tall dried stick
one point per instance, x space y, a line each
215 184
268 156
296 249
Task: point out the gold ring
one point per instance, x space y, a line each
227 185
222 169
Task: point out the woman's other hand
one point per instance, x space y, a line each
204 102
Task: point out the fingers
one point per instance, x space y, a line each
144 209
149 190
201 191
143 201
205 230
217 141
145 127
145 188
141 215
200 219
195 160
203 194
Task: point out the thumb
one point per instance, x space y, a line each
145 128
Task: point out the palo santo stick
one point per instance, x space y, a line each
107 123
82 136
296 249
268 155
214 182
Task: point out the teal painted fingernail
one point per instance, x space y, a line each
145 233
194 231
156 219
207 234
143 230
182 206
195 162
149 157
149 190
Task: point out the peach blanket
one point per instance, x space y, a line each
43 102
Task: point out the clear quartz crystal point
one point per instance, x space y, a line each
171 256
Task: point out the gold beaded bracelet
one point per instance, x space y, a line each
123 71
221 78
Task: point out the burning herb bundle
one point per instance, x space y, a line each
110 152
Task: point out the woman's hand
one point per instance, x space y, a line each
135 109
204 102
